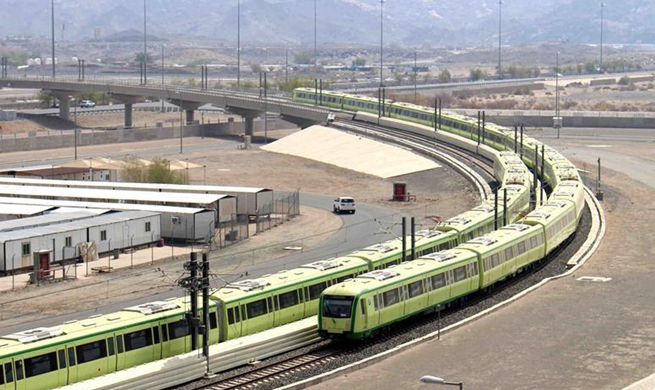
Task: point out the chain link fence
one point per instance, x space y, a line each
277 212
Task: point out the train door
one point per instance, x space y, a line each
19 376
63 367
72 364
111 354
120 353
7 375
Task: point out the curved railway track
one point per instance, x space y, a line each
479 169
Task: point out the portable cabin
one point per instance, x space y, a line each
43 220
198 223
249 199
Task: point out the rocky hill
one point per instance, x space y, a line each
290 22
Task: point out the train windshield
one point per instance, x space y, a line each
337 306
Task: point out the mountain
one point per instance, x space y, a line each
343 22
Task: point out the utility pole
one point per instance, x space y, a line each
415 76
602 8
52 4
238 44
381 42
500 18
145 47
192 284
315 51
286 67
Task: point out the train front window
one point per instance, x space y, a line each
337 306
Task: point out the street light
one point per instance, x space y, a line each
315 52
600 67
440 381
558 120
145 49
52 4
238 44
162 74
500 18
381 41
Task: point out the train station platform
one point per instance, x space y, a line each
351 151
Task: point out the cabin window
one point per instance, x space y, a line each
42 364
91 351
103 235
138 339
2 378
69 241
345 277
390 297
213 323
62 358
521 247
362 303
460 273
438 281
316 290
509 254
147 226
178 329
256 309
230 316
288 299
415 289
155 333
26 249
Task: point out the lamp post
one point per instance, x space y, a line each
381 42
52 5
557 117
238 44
145 49
440 381
315 52
500 18
162 74
415 76
602 8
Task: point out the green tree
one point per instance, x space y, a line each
304 57
444 76
134 170
476 74
159 171
139 57
256 68
359 62
45 98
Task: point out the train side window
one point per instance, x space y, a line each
271 308
91 351
9 373
19 370
155 333
301 296
119 343
2 377
62 358
288 299
41 364
509 253
71 357
361 305
110 346
178 329
256 308
213 323
460 274
415 289
390 297
164 333
438 281
316 290
139 339
230 316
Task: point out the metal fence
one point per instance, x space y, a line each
277 212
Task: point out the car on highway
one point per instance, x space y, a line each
344 204
87 103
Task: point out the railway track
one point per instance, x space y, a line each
483 168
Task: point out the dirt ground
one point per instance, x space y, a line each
439 192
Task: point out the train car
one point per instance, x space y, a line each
469 224
573 191
250 306
510 169
557 219
507 251
359 307
46 358
518 203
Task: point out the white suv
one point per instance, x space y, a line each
344 204
87 103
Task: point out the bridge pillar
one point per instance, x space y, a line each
64 108
128 115
249 117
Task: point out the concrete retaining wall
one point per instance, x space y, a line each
88 138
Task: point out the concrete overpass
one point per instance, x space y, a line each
249 106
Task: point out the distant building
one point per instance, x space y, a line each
48 61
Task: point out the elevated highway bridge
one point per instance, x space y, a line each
247 105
